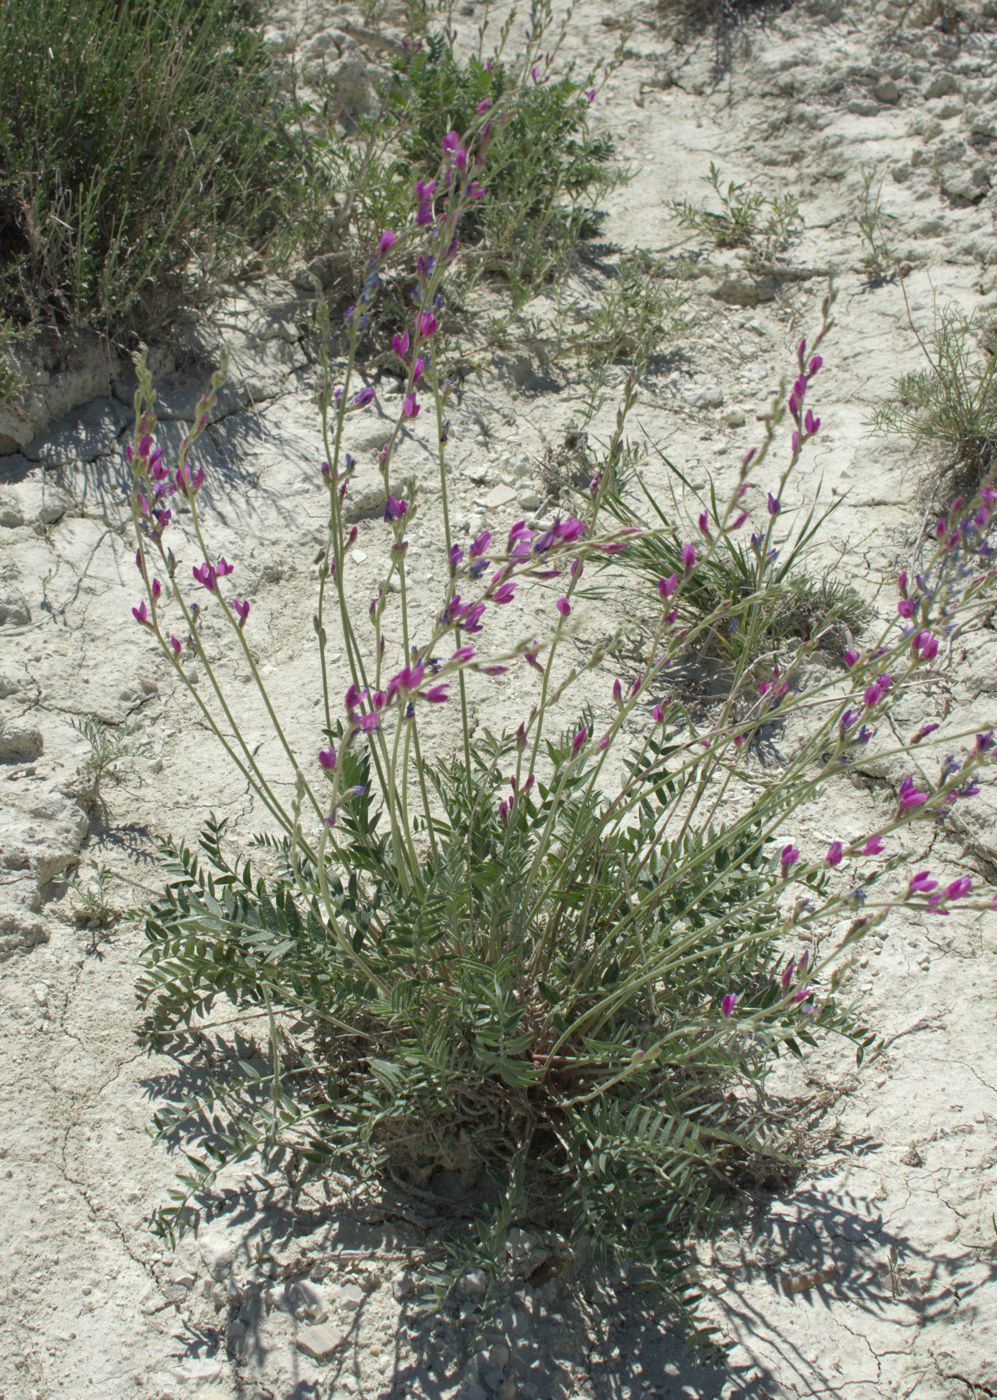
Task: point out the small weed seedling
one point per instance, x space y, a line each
746 217
879 260
94 907
108 750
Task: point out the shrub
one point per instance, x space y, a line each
546 169
760 601
952 404
143 152
563 958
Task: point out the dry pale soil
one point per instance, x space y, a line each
870 1278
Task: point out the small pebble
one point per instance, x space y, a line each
320 1341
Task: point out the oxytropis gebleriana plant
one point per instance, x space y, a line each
558 959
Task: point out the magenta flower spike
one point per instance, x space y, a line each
658 713
787 975
788 858
834 853
906 607
327 759
729 1004
427 325
395 508
873 847
688 558
563 607
579 740
851 657
411 407
435 694
141 614
959 888
387 241
400 343
504 593
206 576
176 646
704 524
242 611
364 397
483 106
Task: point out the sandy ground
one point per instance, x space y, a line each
874 1275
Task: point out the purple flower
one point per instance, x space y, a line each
790 855
407 679
787 975
427 324
873 846
177 648
774 506
387 241
688 558
504 592
728 1004
436 694
395 508
480 544
815 364
922 883
472 620
411 406
667 586
851 657
327 759
906 607
364 397
418 369
578 740
400 343
658 713
959 888
834 853
925 644
563 607
909 795
704 524
810 422
206 575
141 614
242 610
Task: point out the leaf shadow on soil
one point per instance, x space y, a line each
818 1247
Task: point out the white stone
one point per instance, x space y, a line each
319 1341
498 497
